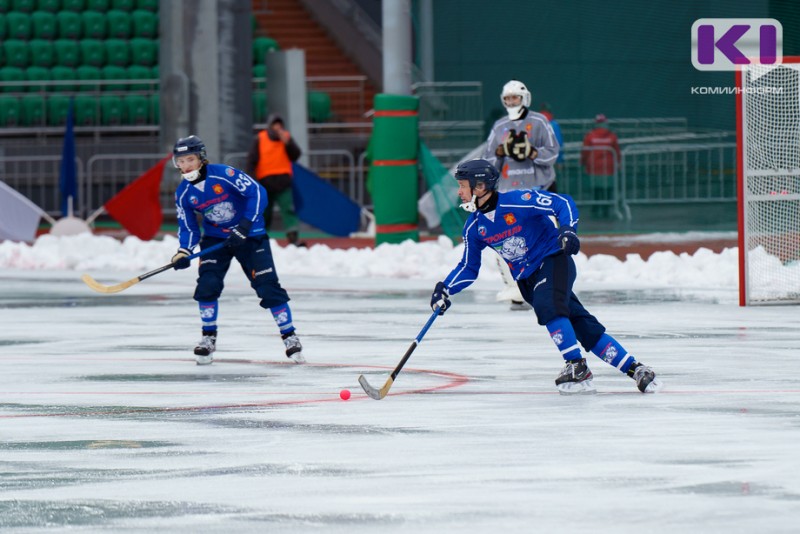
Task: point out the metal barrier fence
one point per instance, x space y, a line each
38 179
649 174
678 174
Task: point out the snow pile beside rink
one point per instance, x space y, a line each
427 260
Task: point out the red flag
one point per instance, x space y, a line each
138 206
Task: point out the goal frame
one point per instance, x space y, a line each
744 299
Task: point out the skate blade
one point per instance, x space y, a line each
203 360
580 388
297 358
655 386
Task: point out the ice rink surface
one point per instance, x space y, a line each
107 424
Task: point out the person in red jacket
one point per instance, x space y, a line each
600 158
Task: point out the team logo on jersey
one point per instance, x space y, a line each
526 196
193 199
221 213
230 172
514 248
218 189
482 231
509 218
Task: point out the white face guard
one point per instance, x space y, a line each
470 206
515 88
191 175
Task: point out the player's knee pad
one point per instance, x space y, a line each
209 287
272 295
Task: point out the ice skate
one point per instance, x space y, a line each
294 350
203 352
575 379
646 380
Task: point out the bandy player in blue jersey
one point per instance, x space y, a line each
535 233
231 205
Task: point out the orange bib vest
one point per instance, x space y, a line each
272 158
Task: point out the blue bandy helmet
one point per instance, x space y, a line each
189 145
478 171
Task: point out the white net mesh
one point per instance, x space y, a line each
770 128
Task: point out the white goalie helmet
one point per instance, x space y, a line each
515 88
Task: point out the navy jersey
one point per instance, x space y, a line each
523 229
226 196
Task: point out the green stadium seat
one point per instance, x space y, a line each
10 111
72 5
114 72
5 6
123 5
33 74
149 5
319 106
112 112
117 52
100 6
18 25
41 52
93 52
94 25
63 74
51 6
259 107
2 30
69 25
119 24
144 24
155 73
16 53
67 52
262 45
144 52
139 72
43 25
33 110
260 71
57 110
88 72
137 110
12 74
2 56
87 110
24 6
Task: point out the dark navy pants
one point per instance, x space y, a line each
549 291
255 257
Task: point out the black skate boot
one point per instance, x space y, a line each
645 378
294 350
575 378
203 352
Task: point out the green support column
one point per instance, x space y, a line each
393 175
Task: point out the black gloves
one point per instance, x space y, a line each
570 243
181 259
440 298
239 234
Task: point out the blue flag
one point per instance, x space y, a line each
67 178
321 205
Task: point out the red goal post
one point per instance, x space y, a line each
768 174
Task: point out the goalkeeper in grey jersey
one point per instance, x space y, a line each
522 146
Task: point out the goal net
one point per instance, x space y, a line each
768 166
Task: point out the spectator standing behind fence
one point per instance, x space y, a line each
270 162
600 156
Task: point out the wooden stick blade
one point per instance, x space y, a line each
373 393
101 288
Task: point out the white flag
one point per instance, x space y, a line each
19 217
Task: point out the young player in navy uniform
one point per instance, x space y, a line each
535 233
231 204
